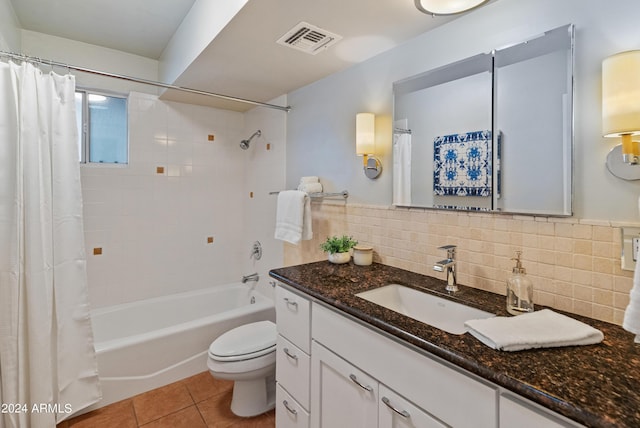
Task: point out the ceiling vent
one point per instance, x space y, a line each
308 38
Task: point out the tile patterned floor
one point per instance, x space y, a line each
196 402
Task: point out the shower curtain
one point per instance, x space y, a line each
47 360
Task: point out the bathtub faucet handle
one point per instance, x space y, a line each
256 251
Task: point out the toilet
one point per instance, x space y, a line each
247 355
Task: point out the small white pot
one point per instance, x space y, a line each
339 258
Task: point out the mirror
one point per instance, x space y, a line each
489 133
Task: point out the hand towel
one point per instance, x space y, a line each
310 179
310 187
631 320
541 329
293 217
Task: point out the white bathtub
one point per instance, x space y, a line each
147 344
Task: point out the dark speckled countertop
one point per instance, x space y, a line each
596 385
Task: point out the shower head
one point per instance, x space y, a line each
244 144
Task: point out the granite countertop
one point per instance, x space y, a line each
596 385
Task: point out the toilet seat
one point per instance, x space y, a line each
246 342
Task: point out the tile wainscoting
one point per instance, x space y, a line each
574 263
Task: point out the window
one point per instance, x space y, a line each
102 127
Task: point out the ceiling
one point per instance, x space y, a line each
244 59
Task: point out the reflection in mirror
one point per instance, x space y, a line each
492 132
441 106
533 89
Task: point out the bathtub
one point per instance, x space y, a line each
147 344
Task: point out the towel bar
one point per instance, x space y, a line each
344 194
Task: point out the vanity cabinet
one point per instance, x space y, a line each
334 371
438 390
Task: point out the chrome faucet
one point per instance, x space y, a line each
448 265
253 277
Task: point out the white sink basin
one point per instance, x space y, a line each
427 308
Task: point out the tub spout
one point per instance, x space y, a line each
253 277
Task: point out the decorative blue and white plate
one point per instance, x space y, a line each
462 164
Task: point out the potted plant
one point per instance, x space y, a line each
339 248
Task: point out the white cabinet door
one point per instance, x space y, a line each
394 411
341 395
515 413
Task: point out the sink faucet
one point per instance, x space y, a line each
252 277
448 265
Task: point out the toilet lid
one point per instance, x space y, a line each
244 342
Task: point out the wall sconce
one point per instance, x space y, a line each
366 144
621 112
446 7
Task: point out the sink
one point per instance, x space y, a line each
424 307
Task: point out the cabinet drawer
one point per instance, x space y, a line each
293 317
395 411
292 370
289 414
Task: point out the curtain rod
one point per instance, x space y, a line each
51 63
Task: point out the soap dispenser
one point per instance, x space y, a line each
519 289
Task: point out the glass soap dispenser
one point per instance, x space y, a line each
519 289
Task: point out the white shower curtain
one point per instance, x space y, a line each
47 359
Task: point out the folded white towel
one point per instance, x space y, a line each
310 187
632 313
541 329
293 217
309 179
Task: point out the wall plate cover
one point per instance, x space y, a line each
630 247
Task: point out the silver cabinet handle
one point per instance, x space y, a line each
289 409
290 302
355 380
289 354
402 413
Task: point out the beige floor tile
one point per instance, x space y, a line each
204 386
161 402
185 418
118 414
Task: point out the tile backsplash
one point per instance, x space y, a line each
574 263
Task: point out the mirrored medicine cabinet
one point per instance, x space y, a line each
493 132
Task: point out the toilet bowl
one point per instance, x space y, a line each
247 355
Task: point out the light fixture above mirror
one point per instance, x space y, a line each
446 7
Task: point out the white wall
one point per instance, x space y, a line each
320 127
9 28
264 172
201 25
93 57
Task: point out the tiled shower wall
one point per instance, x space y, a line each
574 264
170 220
